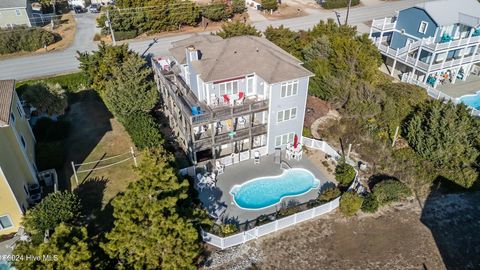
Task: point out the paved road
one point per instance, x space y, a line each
65 61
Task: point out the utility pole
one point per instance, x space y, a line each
108 22
348 11
337 14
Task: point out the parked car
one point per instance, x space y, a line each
78 9
94 8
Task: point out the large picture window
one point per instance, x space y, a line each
228 88
289 88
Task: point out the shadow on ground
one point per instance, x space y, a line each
89 121
453 220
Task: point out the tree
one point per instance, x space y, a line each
444 133
217 11
350 203
370 203
270 4
238 6
344 173
99 65
54 209
233 29
47 98
67 249
131 88
150 231
285 38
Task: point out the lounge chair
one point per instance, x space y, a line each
256 157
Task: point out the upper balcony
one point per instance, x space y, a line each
384 25
198 112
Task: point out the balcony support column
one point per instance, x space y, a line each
392 72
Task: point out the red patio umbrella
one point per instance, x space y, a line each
295 141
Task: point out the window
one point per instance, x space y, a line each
20 111
23 141
289 88
17 11
12 116
283 139
423 27
5 222
286 115
26 190
250 84
228 88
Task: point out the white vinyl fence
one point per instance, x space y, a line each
274 226
229 160
320 145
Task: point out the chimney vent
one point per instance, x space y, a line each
257 49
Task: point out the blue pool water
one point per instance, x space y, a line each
472 100
266 191
4 265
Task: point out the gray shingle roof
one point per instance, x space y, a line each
448 12
7 88
239 56
13 3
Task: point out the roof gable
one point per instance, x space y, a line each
7 90
237 56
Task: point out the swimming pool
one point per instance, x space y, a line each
264 192
5 265
471 100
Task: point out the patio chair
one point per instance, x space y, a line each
241 97
256 158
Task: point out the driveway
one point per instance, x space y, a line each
65 61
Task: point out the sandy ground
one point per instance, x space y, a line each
438 233
285 11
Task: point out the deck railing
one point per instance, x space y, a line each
274 226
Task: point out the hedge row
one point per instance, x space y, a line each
143 130
331 4
25 39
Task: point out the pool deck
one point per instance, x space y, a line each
246 170
470 86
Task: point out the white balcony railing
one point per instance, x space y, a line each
384 24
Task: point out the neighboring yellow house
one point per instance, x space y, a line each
17 159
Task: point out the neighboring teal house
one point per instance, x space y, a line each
433 41
15 13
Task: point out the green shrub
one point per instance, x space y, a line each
329 194
228 229
238 6
122 35
48 130
70 82
289 210
344 173
143 130
389 191
331 4
370 204
49 155
25 39
307 132
47 98
350 203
